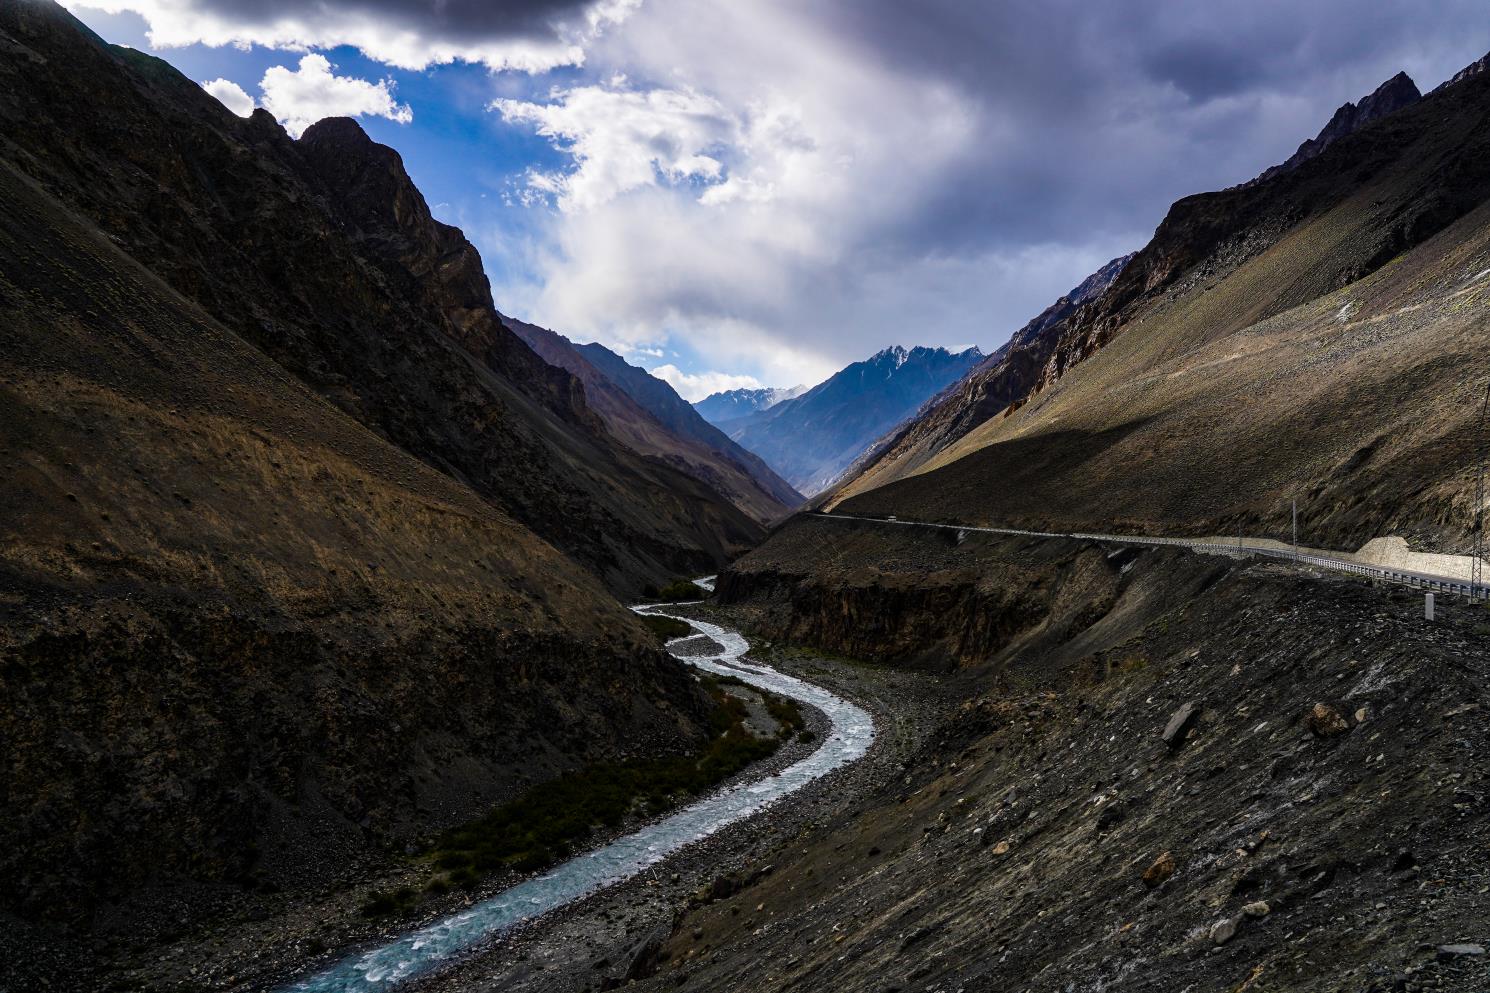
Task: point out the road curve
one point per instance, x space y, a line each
428 948
1423 580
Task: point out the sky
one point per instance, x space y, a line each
758 192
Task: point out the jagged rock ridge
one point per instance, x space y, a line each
1398 92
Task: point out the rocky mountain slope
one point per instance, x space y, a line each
1318 336
322 253
646 414
265 615
729 405
814 437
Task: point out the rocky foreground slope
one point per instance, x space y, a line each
1168 771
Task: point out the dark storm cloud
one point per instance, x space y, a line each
1097 116
455 20
976 158
531 35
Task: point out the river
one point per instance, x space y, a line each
434 945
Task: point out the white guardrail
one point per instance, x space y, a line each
1421 580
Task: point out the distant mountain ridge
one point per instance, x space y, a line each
647 415
988 387
814 437
719 408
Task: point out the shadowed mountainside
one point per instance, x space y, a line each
265 616
645 413
322 253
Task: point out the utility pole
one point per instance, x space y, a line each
1476 565
1295 528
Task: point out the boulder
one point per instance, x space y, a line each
1181 723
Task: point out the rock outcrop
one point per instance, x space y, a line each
1398 92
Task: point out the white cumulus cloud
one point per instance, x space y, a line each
298 98
622 139
693 387
230 95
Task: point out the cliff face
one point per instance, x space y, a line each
914 597
324 255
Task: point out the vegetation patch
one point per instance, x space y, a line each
552 820
680 590
666 627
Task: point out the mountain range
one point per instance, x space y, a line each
811 438
304 553
720 408
312 563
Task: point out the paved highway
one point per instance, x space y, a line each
1422 580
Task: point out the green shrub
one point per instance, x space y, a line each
787 712
681 589
382 902
666 627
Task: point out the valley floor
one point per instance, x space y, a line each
1141 770
621 933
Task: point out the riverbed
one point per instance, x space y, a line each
711 648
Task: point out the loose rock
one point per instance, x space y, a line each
1325 721
1156 874
1223 931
